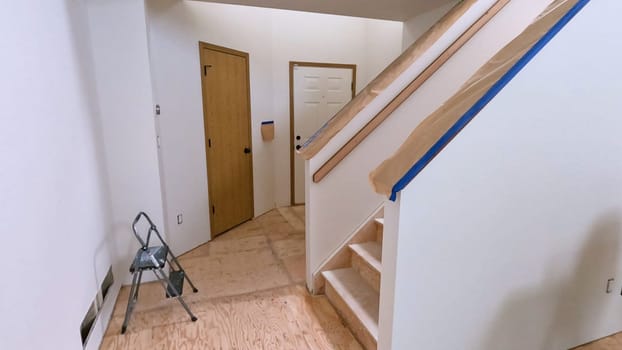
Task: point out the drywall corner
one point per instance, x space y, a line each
416 26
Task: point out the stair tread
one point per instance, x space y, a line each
371 252
358 295
380 221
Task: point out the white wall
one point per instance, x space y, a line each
272 38
54 211
507 239
416 26
343 199
121 64
381 49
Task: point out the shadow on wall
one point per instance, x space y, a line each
561 314
82 50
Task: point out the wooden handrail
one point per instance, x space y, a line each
438 129
312 146
327 167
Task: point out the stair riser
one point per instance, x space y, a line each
369 274
357 328
379 232
368 232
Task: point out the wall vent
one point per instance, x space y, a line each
91 315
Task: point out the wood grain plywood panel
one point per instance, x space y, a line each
366 260
278 235
135 341
147 319
202 250
362 134
329 323
613 342
371 276
227 124
235 273
270 218
342 257
295 266
247 229
240 245
289 247
151 296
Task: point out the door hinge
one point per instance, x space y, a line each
213 209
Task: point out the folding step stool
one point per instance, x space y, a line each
154 259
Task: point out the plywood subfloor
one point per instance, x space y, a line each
441 123
611 343
251 296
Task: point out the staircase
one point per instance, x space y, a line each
355 291
422 101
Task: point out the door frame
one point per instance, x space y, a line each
292 65
204 45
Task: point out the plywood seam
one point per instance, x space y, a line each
332 261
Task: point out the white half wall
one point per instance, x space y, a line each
418 25
272 38
508 237
55 211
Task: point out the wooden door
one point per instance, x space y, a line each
318 92
226 111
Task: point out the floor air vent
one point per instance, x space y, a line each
91 315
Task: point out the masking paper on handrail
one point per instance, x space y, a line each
437 125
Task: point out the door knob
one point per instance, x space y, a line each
247 150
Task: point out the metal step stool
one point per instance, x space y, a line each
154 258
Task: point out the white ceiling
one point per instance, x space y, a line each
397 10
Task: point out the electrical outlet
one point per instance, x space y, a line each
180 219
609 286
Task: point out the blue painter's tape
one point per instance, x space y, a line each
315 135
481 103
267 122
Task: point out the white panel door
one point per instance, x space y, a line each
319 93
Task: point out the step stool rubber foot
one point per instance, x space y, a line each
194 318
195 290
